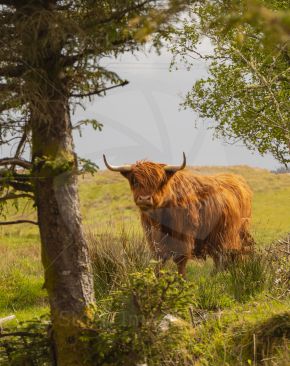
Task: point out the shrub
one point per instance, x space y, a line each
133 329
27 344
138 332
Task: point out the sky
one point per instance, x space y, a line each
144 120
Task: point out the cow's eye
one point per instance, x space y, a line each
134 182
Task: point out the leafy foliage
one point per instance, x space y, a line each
247 92
87 166
97 126
27 344
130 331
52 54
137 331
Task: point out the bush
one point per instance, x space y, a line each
134 329
281 170
137 332
26 345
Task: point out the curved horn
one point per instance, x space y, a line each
121 168
175 168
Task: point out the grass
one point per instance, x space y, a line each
271 217
237 303
115 256
249 277
244 335
236 319
106 202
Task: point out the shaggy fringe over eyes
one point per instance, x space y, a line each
149 175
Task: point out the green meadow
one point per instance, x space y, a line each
111 219
107 204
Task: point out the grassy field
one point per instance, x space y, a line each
238 316
107 203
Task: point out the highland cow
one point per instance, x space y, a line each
186 216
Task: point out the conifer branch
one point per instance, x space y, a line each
12 196
16 161
99 91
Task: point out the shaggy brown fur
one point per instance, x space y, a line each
191 215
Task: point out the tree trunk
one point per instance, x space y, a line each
68 277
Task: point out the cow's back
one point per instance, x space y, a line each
226 211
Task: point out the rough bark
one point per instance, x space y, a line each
65 257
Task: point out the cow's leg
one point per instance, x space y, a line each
231 258
247 241
224 259
181 261
220 259
218 262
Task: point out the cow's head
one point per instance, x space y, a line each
148 181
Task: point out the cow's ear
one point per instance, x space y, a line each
169 174
126 175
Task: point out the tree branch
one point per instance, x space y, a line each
16 161
98 92
64 7
20 334
21 144
18 186
12 71
11 196
119 15
8 87
69 60
17 222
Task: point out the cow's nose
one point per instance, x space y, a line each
144 199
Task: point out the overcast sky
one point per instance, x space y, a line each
144 120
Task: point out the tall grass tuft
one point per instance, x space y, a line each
249 277
114 256
211 293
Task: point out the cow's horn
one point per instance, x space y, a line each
121 168
175 168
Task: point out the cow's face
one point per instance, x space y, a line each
148 181
149 184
